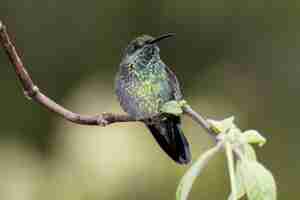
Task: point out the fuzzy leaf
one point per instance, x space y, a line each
195 170
249 152
257 180
182 103
253 137
172 107
223 125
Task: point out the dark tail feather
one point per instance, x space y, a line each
170 137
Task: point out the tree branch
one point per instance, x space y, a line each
201 121
32 92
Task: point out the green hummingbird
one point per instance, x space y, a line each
143 84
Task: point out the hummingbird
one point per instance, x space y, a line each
143 84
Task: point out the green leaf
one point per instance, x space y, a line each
224 125
188 179
249 152
257 180
253 137
239 184
182 103
228 122
172 107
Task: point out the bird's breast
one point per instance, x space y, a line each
144 91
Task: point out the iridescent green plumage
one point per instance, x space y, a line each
143 84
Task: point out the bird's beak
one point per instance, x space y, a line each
159 38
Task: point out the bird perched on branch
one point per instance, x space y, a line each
143 84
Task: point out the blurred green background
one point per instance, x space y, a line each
232 57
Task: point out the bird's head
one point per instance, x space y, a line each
144 47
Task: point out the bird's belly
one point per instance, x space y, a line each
146 97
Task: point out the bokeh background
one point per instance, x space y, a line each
232 57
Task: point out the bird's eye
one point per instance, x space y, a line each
136 46
132 48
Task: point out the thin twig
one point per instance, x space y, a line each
201 121
230 162
32 92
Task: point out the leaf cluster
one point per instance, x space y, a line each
247 176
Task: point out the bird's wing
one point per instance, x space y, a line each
174 83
